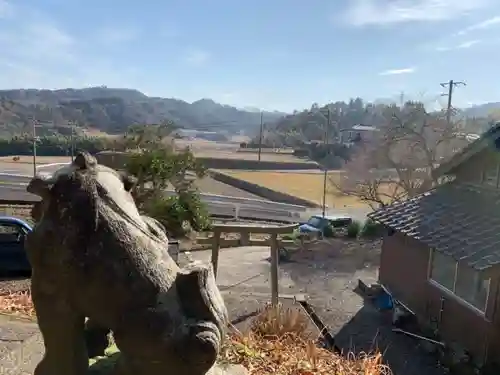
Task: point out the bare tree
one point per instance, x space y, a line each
397 162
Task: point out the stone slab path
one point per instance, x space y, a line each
21 347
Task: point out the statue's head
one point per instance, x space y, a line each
76 193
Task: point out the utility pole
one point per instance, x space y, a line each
261 133
34 147
72 140
450 84
325 175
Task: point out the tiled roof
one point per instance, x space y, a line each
460 220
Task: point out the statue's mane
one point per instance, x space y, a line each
96 191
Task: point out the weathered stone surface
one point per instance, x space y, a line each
24 359
228 370
21 346
93 255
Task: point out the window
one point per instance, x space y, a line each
10 233
461 280
340 223
471 287
443 270
315 221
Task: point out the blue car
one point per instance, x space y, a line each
318 223
13 258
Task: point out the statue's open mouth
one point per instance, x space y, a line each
201 300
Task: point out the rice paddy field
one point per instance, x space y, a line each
306 185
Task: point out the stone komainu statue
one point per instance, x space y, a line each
94 256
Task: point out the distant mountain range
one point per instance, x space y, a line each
481 110
112 110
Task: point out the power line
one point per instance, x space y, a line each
451 84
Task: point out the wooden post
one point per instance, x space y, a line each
244 238
215 251
274 269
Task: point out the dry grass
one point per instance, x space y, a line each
265 156
303 185
231 150
278 343
17 303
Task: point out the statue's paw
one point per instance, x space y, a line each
202 303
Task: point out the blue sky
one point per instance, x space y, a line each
271 54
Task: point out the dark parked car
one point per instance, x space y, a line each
13 257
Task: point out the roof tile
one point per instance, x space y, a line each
458 219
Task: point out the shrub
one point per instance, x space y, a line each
179 213
371 229
328 231
353 229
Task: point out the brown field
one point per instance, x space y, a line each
26 159
229 150
275 157
25 164
303 185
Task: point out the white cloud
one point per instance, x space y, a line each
464 45
490 22
197 57
36 39
383 12
38 53
393 72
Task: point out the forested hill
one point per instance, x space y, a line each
113 110
309 124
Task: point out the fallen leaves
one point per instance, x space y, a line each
289 351
17 303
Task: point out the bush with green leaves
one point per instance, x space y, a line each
157 168
179 214
353 229
328 231
371 229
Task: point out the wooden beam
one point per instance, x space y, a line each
215 251
254 228
274 269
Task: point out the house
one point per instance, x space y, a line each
441 255
357 133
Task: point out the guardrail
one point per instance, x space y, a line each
242 212
214 198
